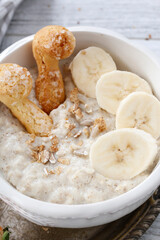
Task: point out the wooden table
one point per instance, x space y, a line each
138 20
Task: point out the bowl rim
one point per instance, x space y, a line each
89 210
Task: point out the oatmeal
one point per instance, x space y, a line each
57 168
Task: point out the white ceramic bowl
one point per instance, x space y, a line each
127 57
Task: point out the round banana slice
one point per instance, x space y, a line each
123 154
87 67
139 110
112 87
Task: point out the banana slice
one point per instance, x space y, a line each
139 110
123 154
112 87
87 67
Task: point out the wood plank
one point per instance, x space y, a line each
134 19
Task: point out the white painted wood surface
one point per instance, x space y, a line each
136 19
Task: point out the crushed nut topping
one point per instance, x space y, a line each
52 159
88 109
69 126
36 151
64 161
78 134
74 96
43 156
86 131
35 156
39 148
73 108
54 146
80 153
78 114
48 172
58 170
100 123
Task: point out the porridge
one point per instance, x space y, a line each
57 168
74 163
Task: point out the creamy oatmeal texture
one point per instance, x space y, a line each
57 168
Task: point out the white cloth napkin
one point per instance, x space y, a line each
7 9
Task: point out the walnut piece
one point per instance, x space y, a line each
43 156
54 146
58 170
78 114
80 153
86 131
88 109
74 96
52 159
78 134
69 126
39 148
64 161
73 108
100 123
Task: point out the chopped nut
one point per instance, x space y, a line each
39 148
58 170
73 108
48 172
80 143
80 153
35 156
36 151
43 156
74 96
52 159
51 172
88 109
100 122
54 140
78 134
86 131
69 126
78 114
64 161
54 147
